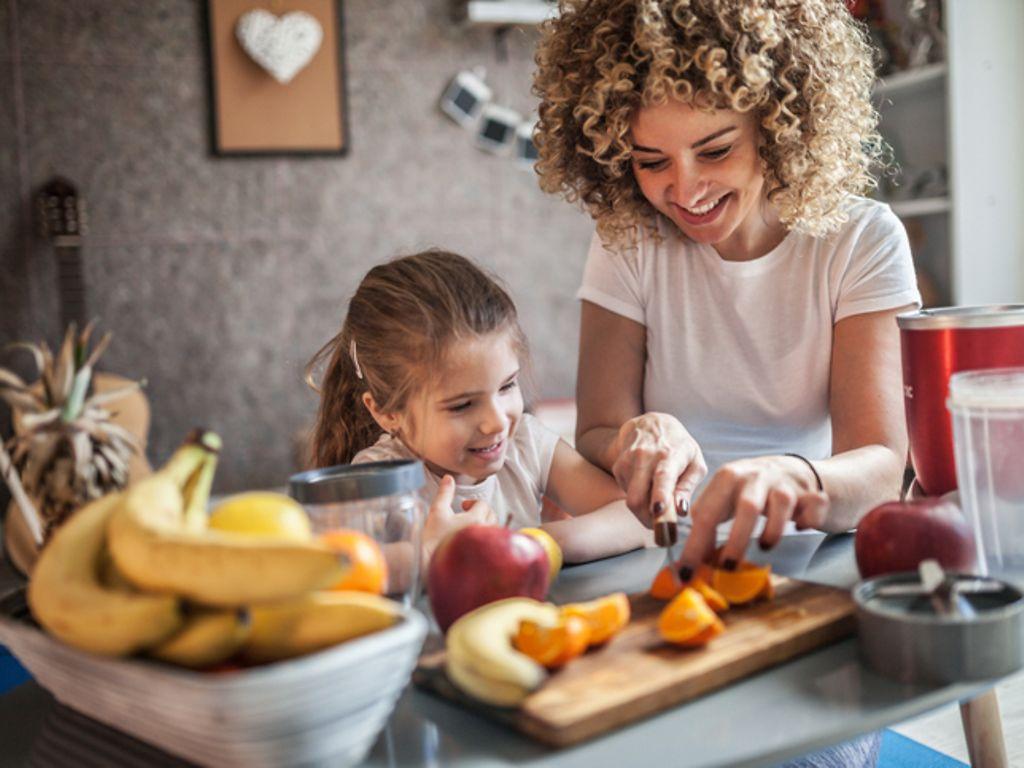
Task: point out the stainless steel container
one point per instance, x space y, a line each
903 637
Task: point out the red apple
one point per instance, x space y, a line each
898 535
479 564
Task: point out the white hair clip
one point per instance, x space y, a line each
355 359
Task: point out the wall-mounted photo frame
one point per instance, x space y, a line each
277 77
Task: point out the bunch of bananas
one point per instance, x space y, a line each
139 571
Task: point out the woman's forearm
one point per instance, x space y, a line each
597 445
858 480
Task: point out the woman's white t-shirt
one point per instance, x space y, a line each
514 491
740 351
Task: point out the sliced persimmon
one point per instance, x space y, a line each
744 584
605 615
686 617
553 646
666 584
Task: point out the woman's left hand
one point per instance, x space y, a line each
781 488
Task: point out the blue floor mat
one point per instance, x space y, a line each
900 752
12 674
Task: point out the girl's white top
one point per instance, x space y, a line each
513 491
741 352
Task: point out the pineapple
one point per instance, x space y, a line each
65 448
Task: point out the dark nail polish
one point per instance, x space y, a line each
662 535
658 508
760 543
685 573
729 565
682 507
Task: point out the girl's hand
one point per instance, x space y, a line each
781 488
658 465
442 520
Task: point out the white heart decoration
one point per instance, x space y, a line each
282 46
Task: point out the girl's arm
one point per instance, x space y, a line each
601 524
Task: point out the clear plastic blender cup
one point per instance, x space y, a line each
987 409
379 499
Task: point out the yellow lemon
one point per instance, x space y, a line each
550 546
262 513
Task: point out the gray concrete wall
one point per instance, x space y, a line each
220 277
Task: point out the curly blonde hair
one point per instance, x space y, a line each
804 67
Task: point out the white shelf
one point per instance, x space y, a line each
508 12
925 206
910 79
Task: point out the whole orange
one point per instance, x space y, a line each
369 570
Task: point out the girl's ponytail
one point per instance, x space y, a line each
344 425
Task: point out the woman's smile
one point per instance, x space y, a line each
704 213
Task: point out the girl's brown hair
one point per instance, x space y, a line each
803 67
400 324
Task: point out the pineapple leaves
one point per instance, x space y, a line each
66 449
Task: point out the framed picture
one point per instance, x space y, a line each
277 78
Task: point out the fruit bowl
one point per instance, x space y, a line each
324 707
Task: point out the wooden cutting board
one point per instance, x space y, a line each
636 674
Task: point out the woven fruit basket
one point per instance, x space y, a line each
325 707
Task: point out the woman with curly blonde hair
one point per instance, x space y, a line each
738 331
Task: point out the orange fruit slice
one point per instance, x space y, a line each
666 584
712 596
743 585
605 615
686 618
553 646
369 569
705 636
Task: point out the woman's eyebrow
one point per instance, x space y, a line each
695 145
712 137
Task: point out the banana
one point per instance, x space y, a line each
68 599
158 542
315 621
207 638
481 659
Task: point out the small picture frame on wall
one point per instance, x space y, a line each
277 77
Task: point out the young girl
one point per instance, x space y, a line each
428 365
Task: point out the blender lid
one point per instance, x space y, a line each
995 388
980 316
352 482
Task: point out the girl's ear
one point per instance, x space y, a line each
389 422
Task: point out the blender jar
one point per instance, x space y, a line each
379 499
987 409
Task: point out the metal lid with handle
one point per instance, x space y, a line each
981 316
354 482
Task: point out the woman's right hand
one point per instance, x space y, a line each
658 464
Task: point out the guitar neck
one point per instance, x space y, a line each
71 284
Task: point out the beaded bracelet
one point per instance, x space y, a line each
807 461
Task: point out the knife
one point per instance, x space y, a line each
666 533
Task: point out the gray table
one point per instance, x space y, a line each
821 699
